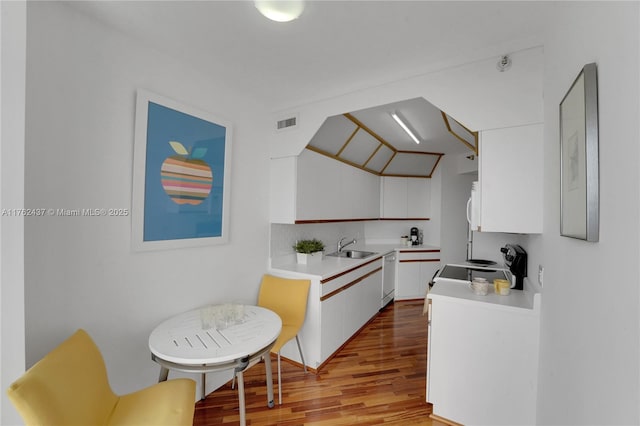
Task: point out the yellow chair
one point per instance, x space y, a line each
287 298
69 386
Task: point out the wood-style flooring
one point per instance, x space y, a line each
379 377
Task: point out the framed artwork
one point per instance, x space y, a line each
579 174
181 175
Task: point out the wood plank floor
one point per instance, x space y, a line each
377 378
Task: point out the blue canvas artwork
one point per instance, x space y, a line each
184 176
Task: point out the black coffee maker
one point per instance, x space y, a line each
414 236
515 258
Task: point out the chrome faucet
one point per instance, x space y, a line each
341 246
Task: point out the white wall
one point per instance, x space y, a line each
81 271
474 93
12 72
589 354
456 190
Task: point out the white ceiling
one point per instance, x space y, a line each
335 47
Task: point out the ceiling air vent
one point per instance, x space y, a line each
287 123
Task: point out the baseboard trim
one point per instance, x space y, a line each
444 420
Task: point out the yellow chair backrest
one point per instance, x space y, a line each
286 297
69 386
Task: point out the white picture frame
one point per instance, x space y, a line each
579 168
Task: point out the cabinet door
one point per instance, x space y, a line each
404 198
332 311
360 194
511 179
418 197
394 197
361 302
415 270
329 189
318 183
408 282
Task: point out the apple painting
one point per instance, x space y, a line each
186 178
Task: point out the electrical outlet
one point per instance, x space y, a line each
540 274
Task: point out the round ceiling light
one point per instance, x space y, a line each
280 10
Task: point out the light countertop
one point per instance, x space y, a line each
527 299
333 265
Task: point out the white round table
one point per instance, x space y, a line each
182 343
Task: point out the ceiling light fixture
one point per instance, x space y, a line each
280 10
405 126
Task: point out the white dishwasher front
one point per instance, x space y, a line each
388 279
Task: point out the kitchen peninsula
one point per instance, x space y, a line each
482 360
345 294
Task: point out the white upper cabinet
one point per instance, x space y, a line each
511 179
405 198
312 187
319 187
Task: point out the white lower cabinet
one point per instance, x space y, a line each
337 308
482 366
345 310
415 269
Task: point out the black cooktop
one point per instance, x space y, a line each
468 273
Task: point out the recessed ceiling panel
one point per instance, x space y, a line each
333 134
380 159
465 136
423 117
360 148
411 164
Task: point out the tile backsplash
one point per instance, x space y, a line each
284 236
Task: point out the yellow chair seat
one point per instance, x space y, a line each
69 387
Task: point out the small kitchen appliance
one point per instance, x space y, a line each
414 236
515 259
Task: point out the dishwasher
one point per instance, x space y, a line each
388 279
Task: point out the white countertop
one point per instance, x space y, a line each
331 265
527 299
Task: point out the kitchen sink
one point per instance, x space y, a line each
352 254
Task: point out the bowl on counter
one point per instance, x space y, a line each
480 286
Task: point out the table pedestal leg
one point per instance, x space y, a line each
204 386
243 419
164 373
269 379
